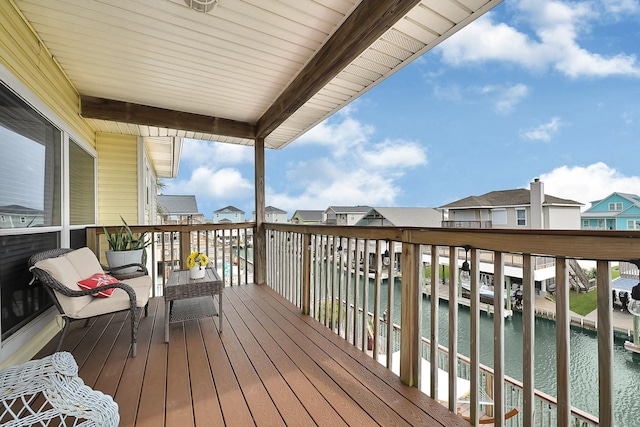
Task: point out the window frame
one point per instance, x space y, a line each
62 230
519 219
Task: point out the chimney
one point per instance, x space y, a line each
537 199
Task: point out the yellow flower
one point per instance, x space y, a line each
197 258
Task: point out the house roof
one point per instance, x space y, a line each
229 209
19 210
349 209
178 204
309 215
274 210
633 198
247 69
402 217
517 197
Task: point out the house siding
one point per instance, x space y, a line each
603 205
25 57
599 217
561 218
117 178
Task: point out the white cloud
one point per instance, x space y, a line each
393 155
206 183
341 136
353 170
506 97
544 132
348 188
587 184
448 93
196 152
618 7
556 28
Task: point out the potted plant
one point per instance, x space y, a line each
125 247
196 263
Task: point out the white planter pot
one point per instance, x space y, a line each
196 272
118 258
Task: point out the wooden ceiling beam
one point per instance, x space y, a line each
368 22
126 112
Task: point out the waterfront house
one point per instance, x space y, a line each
179 209
518 208
228 214
15 216
402 217
100 94
617 211
304 216
344 215
273 214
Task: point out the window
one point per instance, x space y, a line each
30 171
498 216
633 224
585 223
521 217
82 206
615 206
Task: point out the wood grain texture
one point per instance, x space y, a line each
272 365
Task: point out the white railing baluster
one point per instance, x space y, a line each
453 328
348 285
365 296
474 353
376 300
434 323
498 340
528 339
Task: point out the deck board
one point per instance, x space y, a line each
271 366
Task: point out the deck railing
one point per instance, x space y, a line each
228 246
322 268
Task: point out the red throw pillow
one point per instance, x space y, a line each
99 279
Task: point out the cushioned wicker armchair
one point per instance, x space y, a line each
49 392
61 270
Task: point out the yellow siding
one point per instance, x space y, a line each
22 53
117 178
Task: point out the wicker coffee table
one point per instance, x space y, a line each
187 299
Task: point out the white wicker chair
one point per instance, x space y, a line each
49 392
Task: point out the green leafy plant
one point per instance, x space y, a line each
123 239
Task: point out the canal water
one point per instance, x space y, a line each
583 361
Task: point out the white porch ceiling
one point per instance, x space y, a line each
231 63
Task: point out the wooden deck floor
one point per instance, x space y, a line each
271 366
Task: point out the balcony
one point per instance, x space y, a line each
466 224
314 268
271 366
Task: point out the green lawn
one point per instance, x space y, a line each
583 303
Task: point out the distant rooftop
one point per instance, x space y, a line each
178 204
274 210
402 217
349 209
229 209
517 197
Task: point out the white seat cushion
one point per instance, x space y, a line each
142 286
62 270
119 299
85 262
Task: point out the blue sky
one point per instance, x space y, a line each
533 89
